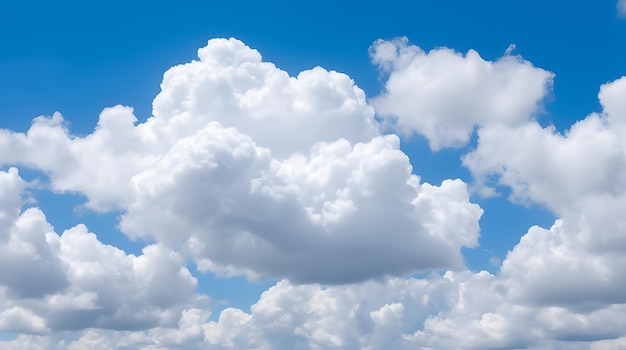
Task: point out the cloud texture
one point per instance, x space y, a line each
72 281
244 170
443 95
259 173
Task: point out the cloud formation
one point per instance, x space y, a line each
556 170
254 172
245 170
579 175
457 310
73 281
358 206
443 95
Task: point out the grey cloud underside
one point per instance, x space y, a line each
344 214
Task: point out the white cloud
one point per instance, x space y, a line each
458 310
57 282
18 320
544 166
572 272
249 171
27 249
24 341
259 173
358 206
229 84
454 311
560 267
98 165
369 315
11 187
443 95
561 171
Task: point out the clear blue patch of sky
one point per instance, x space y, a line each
8 336
236 292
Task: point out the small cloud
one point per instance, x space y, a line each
495 261
621 8
509 50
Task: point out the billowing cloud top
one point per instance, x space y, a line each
254 172
444 95
73 281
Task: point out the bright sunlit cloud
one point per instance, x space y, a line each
246 170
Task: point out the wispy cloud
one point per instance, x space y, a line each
621 8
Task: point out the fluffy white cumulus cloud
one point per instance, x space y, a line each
245 170
575 267
561 267
98 165
357 206
455 311
564 283
11 187
370 315
251 171
52 282
562 171
231 84
443 95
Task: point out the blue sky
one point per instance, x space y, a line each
228 214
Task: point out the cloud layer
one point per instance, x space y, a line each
253 172
244 170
